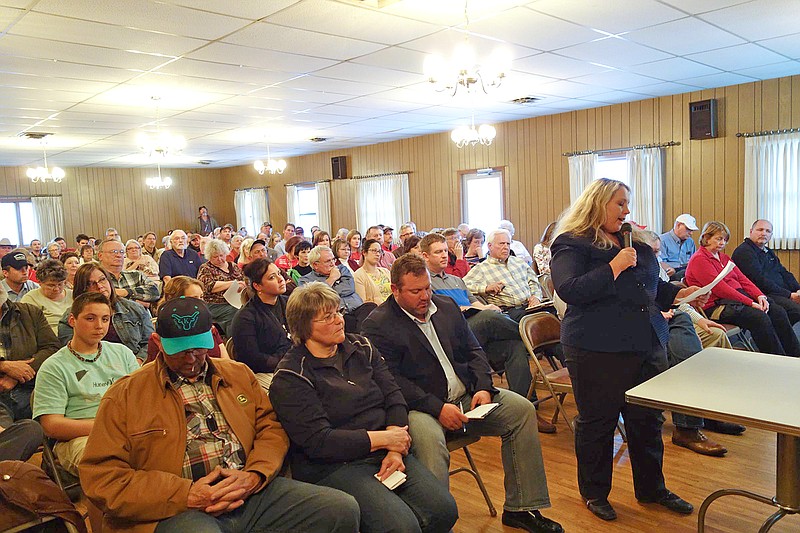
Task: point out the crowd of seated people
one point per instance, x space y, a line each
297 333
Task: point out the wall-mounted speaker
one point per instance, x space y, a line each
703 119
339 167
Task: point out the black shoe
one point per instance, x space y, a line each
531 521
602 509
673 502
725 428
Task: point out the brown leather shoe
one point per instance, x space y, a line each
694 440
544 425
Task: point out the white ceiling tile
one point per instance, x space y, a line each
673 69
350 111
449 12
615 97
9 15
535 30
316 83
94 33
616 79
218 71
613 52
445 42
556 66
665 89
776 70
694 7
396 58
606 16
788 45
368 74
146 15
757 20
685 36
249 9
297 95
717 80
570 89
302 42
45 83
339 19
255 57
63 69
737 57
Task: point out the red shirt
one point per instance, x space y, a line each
703 267
284 263
459 268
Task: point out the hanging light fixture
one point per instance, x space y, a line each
162 143
272 166
159 182
45 174
468 135
463 70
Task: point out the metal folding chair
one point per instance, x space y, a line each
462 443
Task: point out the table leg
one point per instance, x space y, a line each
772 520
701 515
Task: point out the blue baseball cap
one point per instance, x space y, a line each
184 324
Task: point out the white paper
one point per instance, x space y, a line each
396 479
232 295
481 411
707 288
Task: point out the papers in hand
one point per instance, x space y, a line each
482 411
707 288
396 479
232 295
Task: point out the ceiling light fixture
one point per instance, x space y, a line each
44 174
159 182
163 143
272 166
468 135
463 68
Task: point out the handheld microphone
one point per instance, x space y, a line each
627 235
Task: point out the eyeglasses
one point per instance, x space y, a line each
374 250
54 286
94 284
330 318
115 252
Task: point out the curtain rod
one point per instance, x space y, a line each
3 197
306 183
635 147
381 175
767 132
265 187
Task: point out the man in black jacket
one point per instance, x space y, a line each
761 266
442 372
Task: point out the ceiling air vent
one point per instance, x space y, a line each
35 135
525 100
318 139
205 162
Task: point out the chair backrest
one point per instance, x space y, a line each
539 330
230 348
547 285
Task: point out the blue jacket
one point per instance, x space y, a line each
604 314
763 268
345 287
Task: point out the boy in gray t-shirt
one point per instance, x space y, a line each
71 382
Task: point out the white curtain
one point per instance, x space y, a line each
252 209
382 200
581 173
49 217
646 179
772 186
292 213
324 206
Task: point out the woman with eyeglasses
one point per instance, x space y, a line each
130 324
348 421
136 260
341 252
260 335
54 250
373 283
52 297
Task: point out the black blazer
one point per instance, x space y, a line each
604 314
413 362
764 269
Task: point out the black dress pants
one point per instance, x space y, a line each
599 381
772 330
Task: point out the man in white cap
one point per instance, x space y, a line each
5 246
677 246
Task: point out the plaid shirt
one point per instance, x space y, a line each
141 287
518 277
209 439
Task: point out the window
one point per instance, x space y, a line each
482 198
612 166
17 221
307 208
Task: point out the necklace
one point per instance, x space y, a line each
84 359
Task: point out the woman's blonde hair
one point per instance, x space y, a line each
712 228
303 306
244 251
586 216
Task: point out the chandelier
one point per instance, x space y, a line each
159 182
44 174
162 143
468 135
272 166
463 70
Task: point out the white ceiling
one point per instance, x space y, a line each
232 75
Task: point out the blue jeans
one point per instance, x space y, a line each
515 422
421 504
15 404
683 343
20 440
499 336
284 505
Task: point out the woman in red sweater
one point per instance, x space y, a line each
735 299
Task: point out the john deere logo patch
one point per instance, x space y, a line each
186 322
242 399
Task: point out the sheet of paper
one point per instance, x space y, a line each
396 479
707 288
481 411
233 296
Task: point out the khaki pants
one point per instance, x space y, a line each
69 453
716 339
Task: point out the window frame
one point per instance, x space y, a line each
464 176
300 214
18 214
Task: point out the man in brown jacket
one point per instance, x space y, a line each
187 444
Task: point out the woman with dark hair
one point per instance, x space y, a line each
411 245
288 260
302 267
348 421
52 297
259 333
341 252
130 324
354 240
71 262
541 252
473 246
321 238
373 282
86 254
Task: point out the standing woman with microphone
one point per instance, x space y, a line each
614 338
